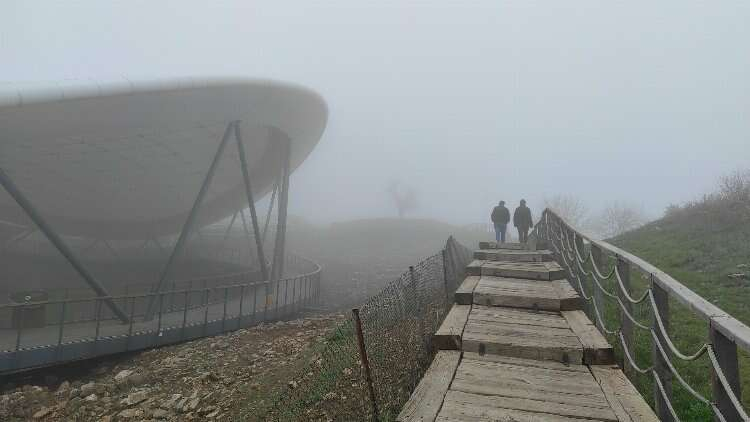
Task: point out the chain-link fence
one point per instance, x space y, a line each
396 328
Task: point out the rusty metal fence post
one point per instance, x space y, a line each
365 363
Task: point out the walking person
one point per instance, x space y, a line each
500 218
523 222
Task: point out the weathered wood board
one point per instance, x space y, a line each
521 333
448 336
527 294
513 255
496 245
465 293
475 267
570 300
546 271
460 406
596 348
624 399
427 399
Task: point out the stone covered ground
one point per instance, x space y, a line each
235 376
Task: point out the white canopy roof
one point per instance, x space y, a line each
126 160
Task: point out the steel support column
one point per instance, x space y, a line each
188 226
278 254
251 202
61 246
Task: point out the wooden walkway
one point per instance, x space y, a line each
516 346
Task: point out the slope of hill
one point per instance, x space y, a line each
360 257
710 254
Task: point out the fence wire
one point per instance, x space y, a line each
397 326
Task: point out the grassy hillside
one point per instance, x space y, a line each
699 249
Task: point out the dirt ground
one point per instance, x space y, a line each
235 376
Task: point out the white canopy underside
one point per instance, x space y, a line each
126 161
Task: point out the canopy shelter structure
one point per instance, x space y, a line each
139 160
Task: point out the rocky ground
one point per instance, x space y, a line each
231 377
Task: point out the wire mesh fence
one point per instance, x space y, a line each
396 329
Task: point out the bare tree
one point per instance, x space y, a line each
617 218
735 187
569 207
404 197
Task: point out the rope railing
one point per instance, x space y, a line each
726 333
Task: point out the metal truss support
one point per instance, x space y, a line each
270 210
229 229
278 254
188 226
61 246
251 202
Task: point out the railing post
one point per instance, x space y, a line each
365 363
578 246
661 298
623 268
726 354
598 261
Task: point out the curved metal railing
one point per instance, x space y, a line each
585 260
181 314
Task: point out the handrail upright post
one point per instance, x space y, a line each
726 354
661 298
599 261
623 268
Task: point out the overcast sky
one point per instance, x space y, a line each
467 101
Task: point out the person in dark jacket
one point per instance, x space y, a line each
523 222
500 218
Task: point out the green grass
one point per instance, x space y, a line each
698 252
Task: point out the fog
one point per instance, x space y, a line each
466 102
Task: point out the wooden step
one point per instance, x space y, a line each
513 255
596 348
529 270
557 295
475 267
427 399
521 333
622 396
465 293
496 245
448 336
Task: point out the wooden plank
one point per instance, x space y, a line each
547 410
524 333
516 293
513 256
448 336
570 300
426 400
521 347
506 245
624 399
475 267
596 349
465 293
517 316
546 271
580 383
527 363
